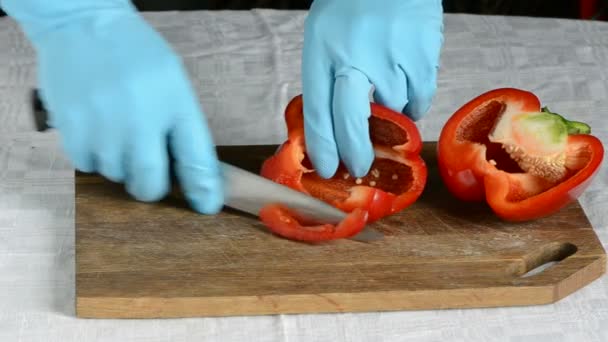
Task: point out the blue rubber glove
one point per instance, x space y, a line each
120 98
350 45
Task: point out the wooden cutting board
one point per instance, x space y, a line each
136 260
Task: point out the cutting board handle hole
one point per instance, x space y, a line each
546 257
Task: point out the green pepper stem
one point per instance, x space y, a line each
574 127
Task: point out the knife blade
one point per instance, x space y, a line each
248 192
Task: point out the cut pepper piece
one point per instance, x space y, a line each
287 225
524 160
395 181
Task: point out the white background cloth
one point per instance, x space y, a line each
246 66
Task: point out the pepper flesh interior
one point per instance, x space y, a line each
476 127
537 141
385 173
535 162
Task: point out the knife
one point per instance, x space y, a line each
248 192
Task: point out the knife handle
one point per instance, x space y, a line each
39 112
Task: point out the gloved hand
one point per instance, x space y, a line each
350 45
120 98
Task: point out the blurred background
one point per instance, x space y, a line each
574 9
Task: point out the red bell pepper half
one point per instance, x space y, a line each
395 181
523 160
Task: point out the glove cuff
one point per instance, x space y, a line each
39 16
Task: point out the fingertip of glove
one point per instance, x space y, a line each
357 152
360 165
417 112
207 205
207 198
415 116
323 154
417 108
202 187
147 182
324 163
151 192
112 171
326 172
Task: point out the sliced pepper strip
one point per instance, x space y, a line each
476 169
396 179
285 224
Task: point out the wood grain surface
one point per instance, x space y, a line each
141 260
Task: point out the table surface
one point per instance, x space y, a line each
246 67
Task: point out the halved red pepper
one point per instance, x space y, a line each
480 157
395 181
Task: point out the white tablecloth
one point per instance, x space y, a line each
246 66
